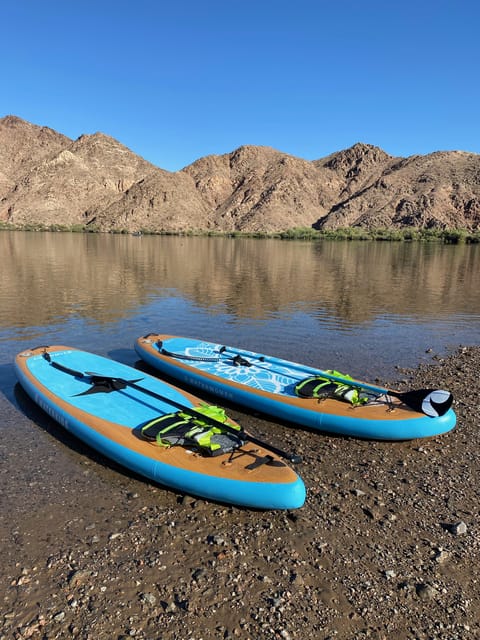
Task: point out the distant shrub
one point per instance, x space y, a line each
454 236
299 233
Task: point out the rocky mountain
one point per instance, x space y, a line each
47 178
50 179
441 189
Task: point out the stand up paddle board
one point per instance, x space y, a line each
126 415
273 386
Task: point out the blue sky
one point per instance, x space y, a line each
175 81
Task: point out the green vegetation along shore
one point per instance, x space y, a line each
445 236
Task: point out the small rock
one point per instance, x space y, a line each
458 528
114 536
79 577
297 579
358 492
198 574
426 591
169 607
441 556
59 617
148 598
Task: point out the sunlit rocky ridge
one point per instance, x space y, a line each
97 183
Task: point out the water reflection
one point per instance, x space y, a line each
47 277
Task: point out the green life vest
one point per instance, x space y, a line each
190 431
321 388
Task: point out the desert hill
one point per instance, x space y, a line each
46 178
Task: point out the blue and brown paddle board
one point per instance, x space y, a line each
63 381
267 384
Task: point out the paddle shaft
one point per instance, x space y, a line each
247 362
291 457
431 402
201 416
324 374
318 372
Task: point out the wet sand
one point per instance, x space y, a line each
387 544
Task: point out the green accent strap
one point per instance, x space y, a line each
319 387
159 428
188 430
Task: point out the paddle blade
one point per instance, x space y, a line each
106 384
437 403
431 402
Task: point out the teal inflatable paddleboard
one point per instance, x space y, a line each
336 404
157 430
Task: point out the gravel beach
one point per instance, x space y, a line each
387 544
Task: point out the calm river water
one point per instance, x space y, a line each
361 307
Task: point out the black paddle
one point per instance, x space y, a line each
112 383
432 402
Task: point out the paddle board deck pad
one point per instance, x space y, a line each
267 384
110 421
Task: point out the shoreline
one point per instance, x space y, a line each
403 234
388 542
